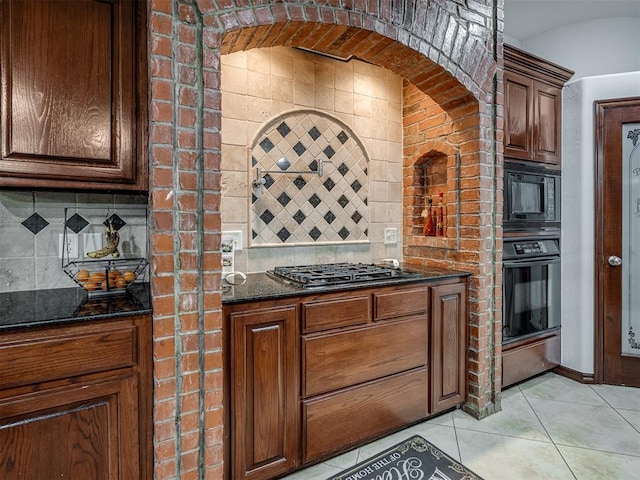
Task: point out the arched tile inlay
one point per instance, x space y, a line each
329 202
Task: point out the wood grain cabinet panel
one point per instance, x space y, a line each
342 359
524 359
51 357
400 303
533 107
318 315
518 120
333 422
264 400
73 94
86 431
548 123
448 346
78 411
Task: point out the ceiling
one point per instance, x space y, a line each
526 18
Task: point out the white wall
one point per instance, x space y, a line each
596 47
578 180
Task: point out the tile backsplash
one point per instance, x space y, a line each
311 182
287 110
31 223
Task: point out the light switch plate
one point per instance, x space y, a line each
390 236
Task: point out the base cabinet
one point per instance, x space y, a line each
529 357
89 418
315 375
86 431
448 346
265 392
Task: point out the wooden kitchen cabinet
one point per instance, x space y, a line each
529 357
533 107
448 346
365 380
73 94
75 401
265 394
318 374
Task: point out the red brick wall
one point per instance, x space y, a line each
453 132
442 48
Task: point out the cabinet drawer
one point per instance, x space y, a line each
336 421
320 315
50 358
525 361
400 303
344 359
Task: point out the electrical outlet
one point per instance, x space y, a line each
390 236
236 236
70 250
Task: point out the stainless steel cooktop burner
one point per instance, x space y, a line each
308 276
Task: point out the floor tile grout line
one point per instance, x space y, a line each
455 434
614 408
565 401
596 450
637 429
505 435
550 437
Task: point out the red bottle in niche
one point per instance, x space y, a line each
440 226
429 229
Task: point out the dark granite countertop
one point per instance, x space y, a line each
262 286
47 307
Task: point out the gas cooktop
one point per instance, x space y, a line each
309 276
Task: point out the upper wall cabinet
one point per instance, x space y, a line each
533 107
73 95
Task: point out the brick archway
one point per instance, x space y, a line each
444 51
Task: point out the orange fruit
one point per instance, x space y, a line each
121 283
129 276
82 275
97 277
90 286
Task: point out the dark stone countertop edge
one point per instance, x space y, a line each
262 286
39 308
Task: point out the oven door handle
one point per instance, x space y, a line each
530 263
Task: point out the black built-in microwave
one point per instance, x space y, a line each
531 197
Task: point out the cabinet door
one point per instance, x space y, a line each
448 346
69 95
265 398
518 116
87 431
547 131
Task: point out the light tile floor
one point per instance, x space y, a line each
550 428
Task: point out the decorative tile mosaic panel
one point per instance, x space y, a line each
315 183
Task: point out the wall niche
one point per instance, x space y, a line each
435 175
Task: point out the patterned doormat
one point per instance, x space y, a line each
412 459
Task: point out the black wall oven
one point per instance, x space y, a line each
531 197
531 270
